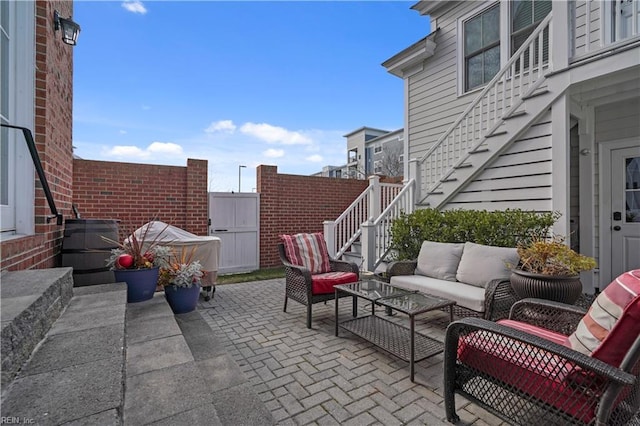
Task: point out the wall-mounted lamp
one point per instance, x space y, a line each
585 151
70 29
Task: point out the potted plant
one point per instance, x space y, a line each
181 278
137 261
549 269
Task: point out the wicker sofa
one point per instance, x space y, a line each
476 276
551 363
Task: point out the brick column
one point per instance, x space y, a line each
197 207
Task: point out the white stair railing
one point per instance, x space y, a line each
376 234
522 75
341 233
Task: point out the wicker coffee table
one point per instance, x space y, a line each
403 342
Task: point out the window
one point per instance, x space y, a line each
377 149
526 15
17 94
352 156
481 48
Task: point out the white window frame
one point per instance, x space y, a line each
377 149
505 39
484 6
18 218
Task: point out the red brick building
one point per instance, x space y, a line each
39 78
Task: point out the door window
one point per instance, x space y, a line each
632 189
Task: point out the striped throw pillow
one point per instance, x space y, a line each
601 333
308 251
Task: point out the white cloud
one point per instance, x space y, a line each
273 153
274 134
155 151
314 158
221 126
126 151
134 6
165 148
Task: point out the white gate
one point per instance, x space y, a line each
235 219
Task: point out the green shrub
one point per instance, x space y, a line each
498 228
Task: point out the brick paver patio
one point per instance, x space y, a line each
311 377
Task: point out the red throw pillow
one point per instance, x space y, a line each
610 327
308 251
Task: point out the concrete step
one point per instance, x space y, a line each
31 301
76 372
111 363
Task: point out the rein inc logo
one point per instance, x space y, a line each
8 420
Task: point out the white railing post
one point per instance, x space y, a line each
414 173
374 199
330 236
368 241
559 35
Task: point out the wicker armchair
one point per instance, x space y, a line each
499 296
299 282
526 379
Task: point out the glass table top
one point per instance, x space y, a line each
373 289
414 303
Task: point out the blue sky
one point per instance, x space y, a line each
236 83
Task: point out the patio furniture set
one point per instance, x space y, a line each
529 361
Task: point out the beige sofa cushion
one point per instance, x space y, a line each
463 294
439 260
480 264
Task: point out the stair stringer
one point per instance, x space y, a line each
510 130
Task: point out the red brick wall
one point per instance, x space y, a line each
52 134
290 204
136 193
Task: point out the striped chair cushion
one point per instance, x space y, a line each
612 323
308 251
323 283
537 331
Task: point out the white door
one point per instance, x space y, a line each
625 209
235 220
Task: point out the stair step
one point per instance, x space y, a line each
435 192
515 114
496 133
464 166
536 93
31 301
479 150
81 356
448 179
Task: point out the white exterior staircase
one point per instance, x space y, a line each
513 100
510 103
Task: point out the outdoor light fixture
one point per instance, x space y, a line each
70 29
239 177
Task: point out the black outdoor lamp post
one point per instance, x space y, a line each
70 29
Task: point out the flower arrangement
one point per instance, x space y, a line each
553 257
139 251
181 270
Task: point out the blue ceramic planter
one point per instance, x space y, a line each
141 283
182 299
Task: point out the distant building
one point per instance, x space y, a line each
370 151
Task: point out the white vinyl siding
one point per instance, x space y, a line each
613 121
433 93
587 27
519 178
